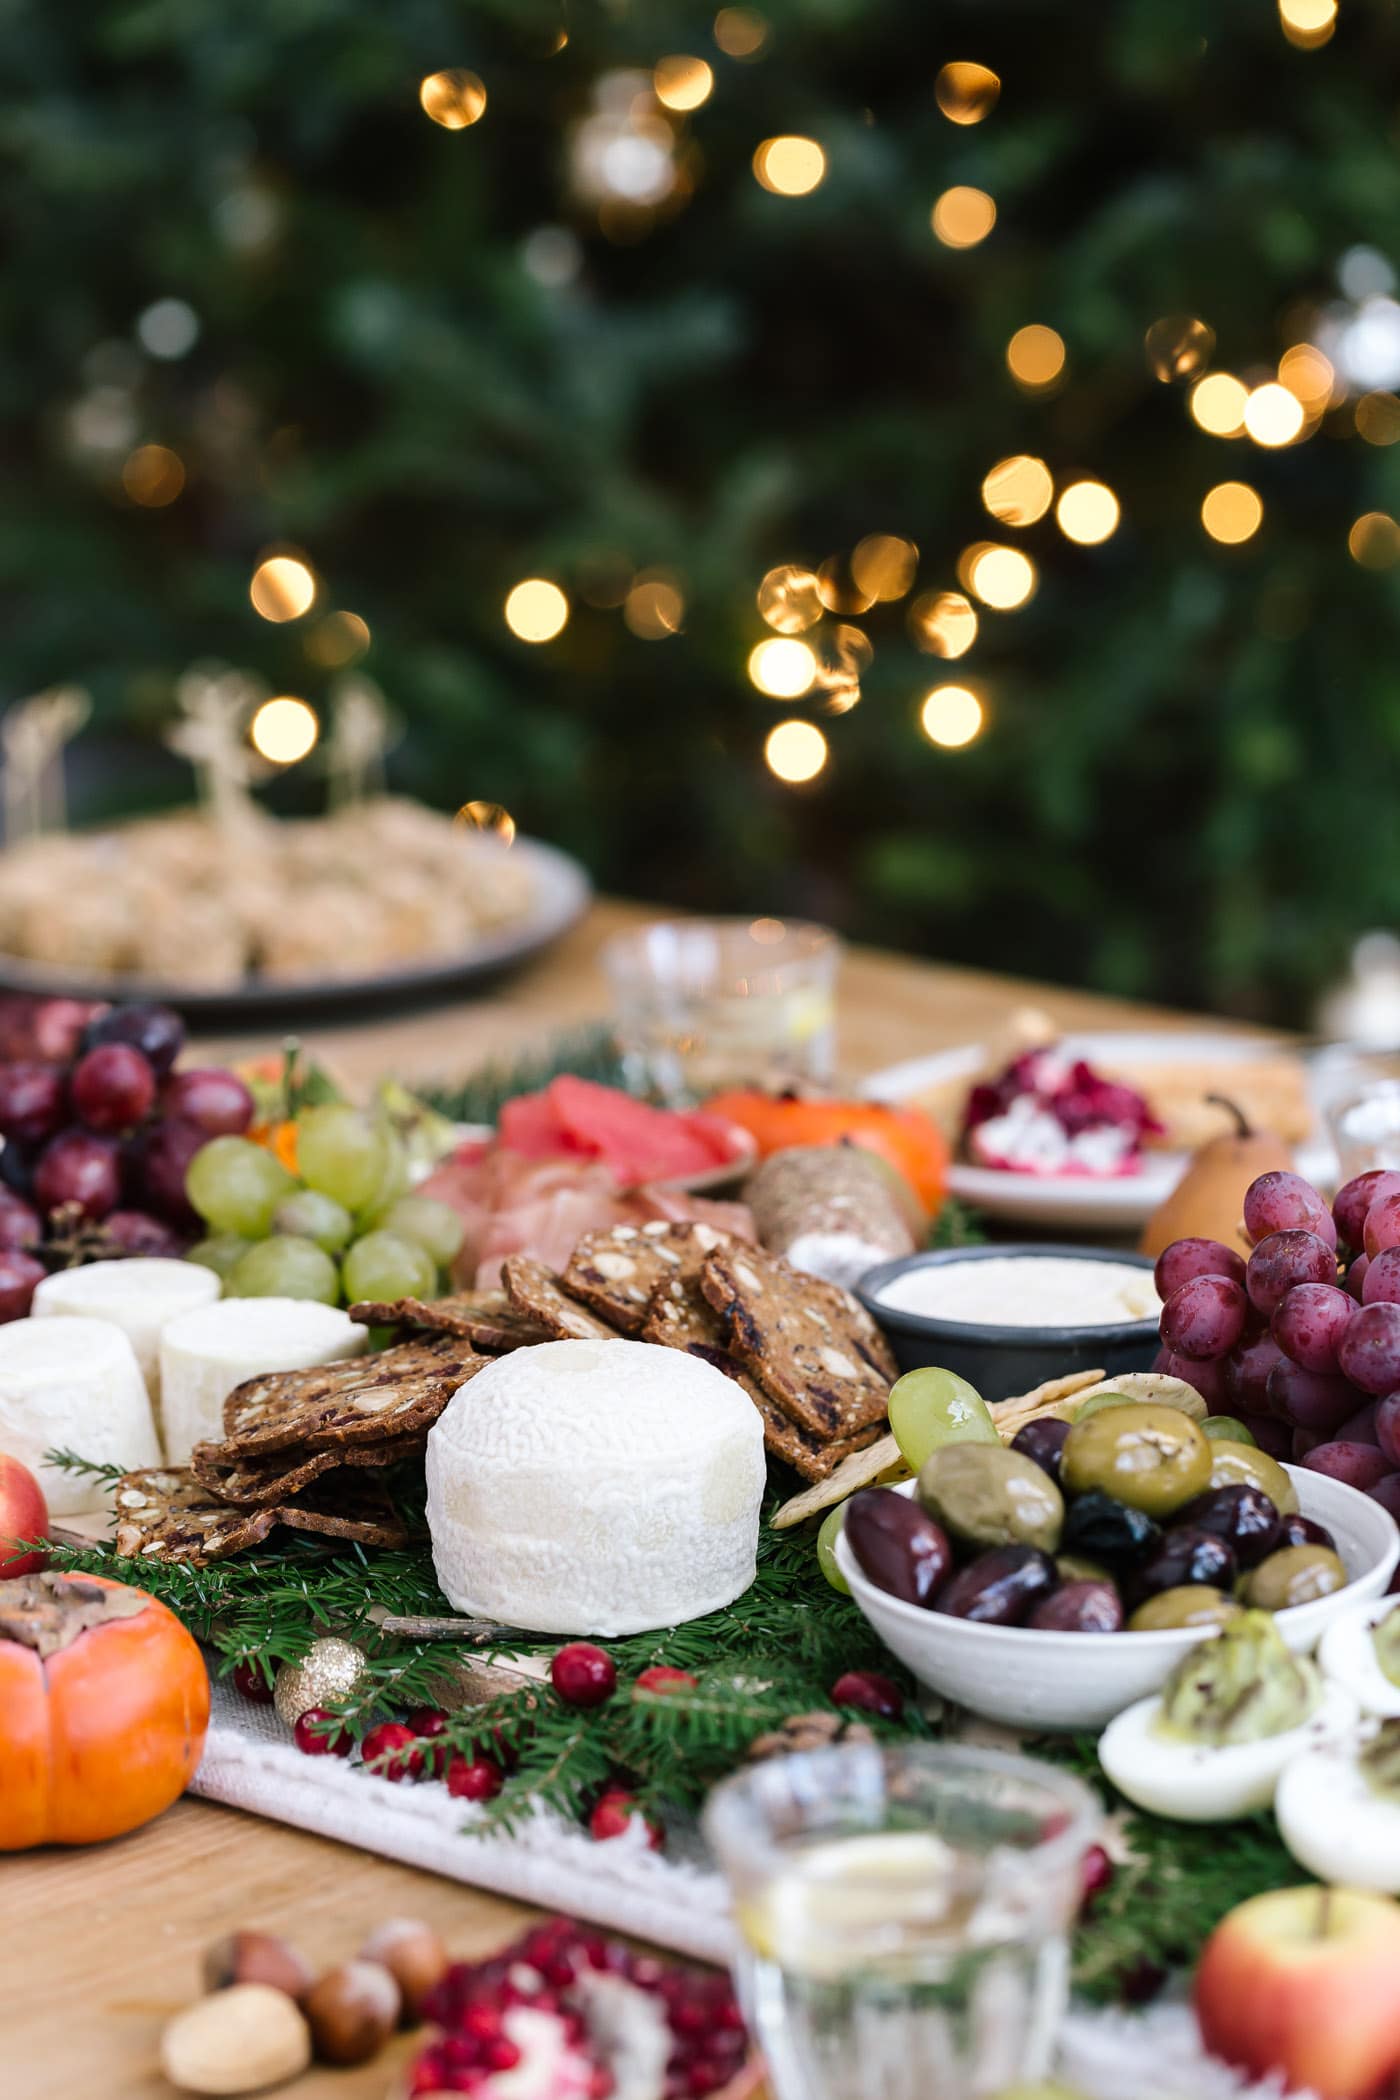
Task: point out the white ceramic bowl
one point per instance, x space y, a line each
1060 1681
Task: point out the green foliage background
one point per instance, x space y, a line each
1186 785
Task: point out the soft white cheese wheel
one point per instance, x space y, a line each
595 1487
205 1354
140 1296
73 1385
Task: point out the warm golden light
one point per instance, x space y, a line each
454 99
488 816
795 751
1002 577
1087 513
1374 541
1308 23
1231 512
963 216
1035 356
282 588
536 610
789 166
682 83
951 716
1378 419
338 639
966 92
1218 404
789 599
837 587
843 654
1308 374
284 730
1018 490
654 607
884 566
153 476
783 669
942 623
1272 415
740 32
1178 347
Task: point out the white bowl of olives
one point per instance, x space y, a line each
1050 1584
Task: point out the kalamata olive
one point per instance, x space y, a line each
1296 1575
1298 1530
1242 1515
1194 1604
1000 1587
1104 1530
1043 1442
898 1544
1079 1607
985 1495
1185 1557
1150 1456
1232 1463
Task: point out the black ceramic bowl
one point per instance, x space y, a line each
1001 1361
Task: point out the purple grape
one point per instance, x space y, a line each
1355 1198
1247 1375
1380 1285
1308 1323
156 1031
58 1027
17 1164
1355 1282
159 1160
1079 1607
1388 1427
1043 1442
113 1087
1359 1465
1284 1202
215 1100
898 1545
1184 1259
1369 1351
1387 1493
998 1588
1283 1261
20 1224
1382 1228
1271 1437
79 1167
1205 1318
1207 1378
135 1233
32 1104
1360 1426
1298 1530
1304 1441
19 1273
1316 1400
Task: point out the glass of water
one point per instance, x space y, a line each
703 1004
903 1914
1366 1128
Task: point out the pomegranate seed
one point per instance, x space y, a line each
462 2051
482 2022
583 1675
559 1972
690 2019
659 1678
248 1680
470 2081
703 2078
391 1752
318 1733
729 2017
502 2055
601 2085
1095 1873
647 1972
474 1778
594 1950
870 1693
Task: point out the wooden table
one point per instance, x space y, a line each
104 1945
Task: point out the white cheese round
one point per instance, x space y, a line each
595 1487
73 1385
140 1296
205 1354
1025 1290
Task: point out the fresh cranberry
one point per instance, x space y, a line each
870 1693
659 1678
474 1778
583 1675
249 1681
392 1752
612 1816
429 1721
1095 1873
318 1734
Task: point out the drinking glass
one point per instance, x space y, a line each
902 1916
1366 1128
703 1004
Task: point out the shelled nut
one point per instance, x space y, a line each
238 2040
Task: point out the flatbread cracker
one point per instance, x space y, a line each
537 1293
166 1514
617 1271
263 1483
811 1346
484 1318
882 1461
1058 1396
347 1508
363 1399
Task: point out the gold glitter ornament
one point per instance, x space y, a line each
330 1672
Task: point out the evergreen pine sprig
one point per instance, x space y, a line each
585 1053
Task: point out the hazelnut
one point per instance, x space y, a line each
237 2041
352 2011
414 1956
255 1957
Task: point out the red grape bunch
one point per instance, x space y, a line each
98 1130
1301 1341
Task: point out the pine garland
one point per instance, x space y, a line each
583 1053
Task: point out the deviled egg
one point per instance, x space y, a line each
1234 1712
1338 1810
1361 1650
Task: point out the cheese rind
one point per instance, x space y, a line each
595 1487
73 1385
141 1296
205 1354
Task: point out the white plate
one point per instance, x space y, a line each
1119 1202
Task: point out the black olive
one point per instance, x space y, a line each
1000 1587
1101 1529
1044 1441
1243 1516
1185 1555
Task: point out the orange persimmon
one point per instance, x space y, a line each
910 1141
104 1706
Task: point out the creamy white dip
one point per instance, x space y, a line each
1027 1290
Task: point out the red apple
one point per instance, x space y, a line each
23 1515
1303 1982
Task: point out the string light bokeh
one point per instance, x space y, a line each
536 610
284 730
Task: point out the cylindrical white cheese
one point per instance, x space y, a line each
205 1354
595 1487
140 1296
73 1385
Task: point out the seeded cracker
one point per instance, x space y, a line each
811 1346
484 1318
537 1293
172 1516
365 1399
617 1271
347 1508
262 1483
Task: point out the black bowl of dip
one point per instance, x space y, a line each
1002 1358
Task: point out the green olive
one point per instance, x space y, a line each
1296 1575
1229 1429
985 1495
1193 1604
1096 1401
1151 1457
1077 1567
1241 1465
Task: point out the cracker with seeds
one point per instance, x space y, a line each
617 1271
344 1507
811 1346
538 1295
362 1399
263 1483
166 1514
484 1318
